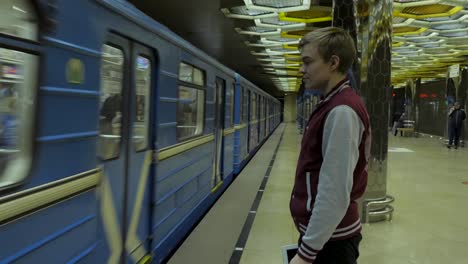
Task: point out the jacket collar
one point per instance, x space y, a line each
338 88
343 84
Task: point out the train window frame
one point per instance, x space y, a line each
148 100
122 92
233 102
254 107
199 88
18 169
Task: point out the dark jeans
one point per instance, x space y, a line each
396 132
339 252
454 135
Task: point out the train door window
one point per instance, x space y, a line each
191 102
110 115
232 89
261 108
245 104
143 89
18 82
241 105
253 114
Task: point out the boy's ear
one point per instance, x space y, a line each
334 62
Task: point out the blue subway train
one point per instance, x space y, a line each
116 135
307 100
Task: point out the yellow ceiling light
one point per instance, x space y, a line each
313 15
296 68
293 61
297 34
293 73
274 22
291 47
401 31
427 11
292 56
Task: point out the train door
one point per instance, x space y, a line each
267 116
264 118
125 148
257 118
218 131
249 119
140 153
260 121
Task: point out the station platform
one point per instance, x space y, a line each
251 223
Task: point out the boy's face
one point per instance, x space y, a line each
316 72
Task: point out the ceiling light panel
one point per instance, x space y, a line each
278 5
243 10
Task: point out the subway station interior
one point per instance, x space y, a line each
174 131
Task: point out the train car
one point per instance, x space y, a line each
116 135
307 100
250 118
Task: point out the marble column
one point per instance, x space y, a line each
370 23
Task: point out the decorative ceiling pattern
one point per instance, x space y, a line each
428 36
279 25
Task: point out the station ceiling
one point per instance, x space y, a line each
258 38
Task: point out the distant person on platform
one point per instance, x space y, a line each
400 124
396 118
331 173
456 117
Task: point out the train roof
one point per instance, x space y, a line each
134 14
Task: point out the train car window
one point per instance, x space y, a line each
232 104
198 77
191 102
191 74
17 18
185 72
110 115
18 81
143 88
17 92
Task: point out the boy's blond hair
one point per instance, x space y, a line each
332 41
